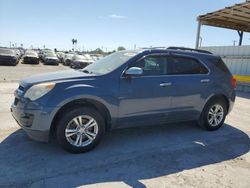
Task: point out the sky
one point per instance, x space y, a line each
108 24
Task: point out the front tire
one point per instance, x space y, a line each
213 115
80 129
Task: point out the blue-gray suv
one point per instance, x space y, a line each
127 88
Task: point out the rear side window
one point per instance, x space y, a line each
186 65
221 65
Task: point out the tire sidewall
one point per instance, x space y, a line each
205 123
67 117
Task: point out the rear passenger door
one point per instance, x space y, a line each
191 85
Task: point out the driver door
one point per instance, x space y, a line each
145 100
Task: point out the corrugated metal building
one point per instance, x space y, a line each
237 59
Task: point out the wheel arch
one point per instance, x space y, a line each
217 96
83 102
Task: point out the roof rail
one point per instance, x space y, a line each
158 47
188 49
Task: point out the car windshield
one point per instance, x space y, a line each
6 51
60 54
79 57
31 53
109 63
69 55
50 54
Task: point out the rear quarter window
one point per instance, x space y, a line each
221 65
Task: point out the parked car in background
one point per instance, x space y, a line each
40 55
50 58
60 56
8 57
18 53
89 58
30 57
94 57
79 61
127 88
67 59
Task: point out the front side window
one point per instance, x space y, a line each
153 65
184 65
50 54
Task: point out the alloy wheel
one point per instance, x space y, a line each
81 131
215 115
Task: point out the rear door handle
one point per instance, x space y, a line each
205 80
165 84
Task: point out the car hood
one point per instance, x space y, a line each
6 55
55 76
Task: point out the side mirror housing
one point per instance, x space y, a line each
134 71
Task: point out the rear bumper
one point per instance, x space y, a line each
51 62
231 101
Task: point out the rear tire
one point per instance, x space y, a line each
73 133
213 115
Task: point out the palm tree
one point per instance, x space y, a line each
74 41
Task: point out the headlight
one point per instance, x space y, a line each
39 90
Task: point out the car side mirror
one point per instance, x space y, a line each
134 71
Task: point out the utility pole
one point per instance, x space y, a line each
200 41
240 36
234 42
198 35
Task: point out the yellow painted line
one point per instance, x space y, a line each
241 78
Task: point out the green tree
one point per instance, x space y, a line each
98 51
120 48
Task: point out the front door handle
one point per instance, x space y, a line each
165 84
205 80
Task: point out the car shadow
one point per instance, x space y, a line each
125 155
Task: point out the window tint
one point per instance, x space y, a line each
153 65
221 65
183 65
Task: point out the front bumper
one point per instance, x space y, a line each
51 62
8 61
30 122
30 60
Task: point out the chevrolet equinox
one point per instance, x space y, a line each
140 87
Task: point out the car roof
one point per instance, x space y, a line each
175 51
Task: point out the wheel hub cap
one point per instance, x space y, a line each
215 115
81 131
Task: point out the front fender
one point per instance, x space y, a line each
62 96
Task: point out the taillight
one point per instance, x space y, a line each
233 82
